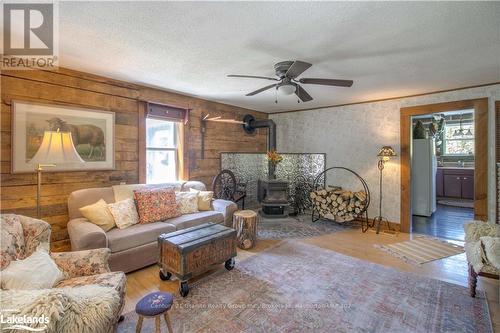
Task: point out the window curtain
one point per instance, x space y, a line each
180 116
180 151
166 112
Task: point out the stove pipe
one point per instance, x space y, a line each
251 124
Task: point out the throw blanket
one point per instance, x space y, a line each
486 251
85 309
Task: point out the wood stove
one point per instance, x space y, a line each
271 193
273 196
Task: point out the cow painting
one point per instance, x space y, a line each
82 134
92 132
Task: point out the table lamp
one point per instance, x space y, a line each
56 148
385 154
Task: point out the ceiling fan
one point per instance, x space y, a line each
288 84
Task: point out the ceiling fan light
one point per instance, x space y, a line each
287 89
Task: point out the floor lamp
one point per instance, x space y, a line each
385 154
56 148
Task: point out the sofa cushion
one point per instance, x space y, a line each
38 271
116 280
85 197
136 235
205 199
193 184
124 213
192 220
99 214
126 191
154 205
187 202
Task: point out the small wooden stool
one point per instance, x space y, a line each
245 224
153 306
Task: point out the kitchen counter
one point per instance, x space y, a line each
455 168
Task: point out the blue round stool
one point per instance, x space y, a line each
153 306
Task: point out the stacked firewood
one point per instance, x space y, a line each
338 204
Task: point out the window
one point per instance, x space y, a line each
162 148
458 144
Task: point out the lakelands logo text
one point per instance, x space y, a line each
11 320
29 36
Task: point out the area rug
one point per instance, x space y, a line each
422 249
295 227
296 287
457 203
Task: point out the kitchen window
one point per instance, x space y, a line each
458 139
162 150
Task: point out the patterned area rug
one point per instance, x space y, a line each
296 227
296 287
422 249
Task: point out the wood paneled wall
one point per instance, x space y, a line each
68 87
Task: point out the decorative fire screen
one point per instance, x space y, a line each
299 170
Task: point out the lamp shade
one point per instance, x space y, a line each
287 89
387 151
56 147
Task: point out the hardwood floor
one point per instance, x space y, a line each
352 243
447 222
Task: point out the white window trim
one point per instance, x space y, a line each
174 149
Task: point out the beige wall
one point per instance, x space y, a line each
352 135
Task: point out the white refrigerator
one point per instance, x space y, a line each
423 177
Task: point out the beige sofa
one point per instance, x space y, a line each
136 246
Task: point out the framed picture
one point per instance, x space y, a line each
92 132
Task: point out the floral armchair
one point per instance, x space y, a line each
482 247
22 235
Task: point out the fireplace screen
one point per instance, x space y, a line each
299 170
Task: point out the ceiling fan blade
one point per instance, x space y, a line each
327 82
297 68
261 90
253 77
302 94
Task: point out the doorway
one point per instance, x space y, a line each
480 111
442 173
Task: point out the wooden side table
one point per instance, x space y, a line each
245 224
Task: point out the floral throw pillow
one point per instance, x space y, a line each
124 213
187 202
155 205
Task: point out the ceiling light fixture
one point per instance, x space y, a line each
459 132
287 89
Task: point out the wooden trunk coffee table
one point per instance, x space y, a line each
186 253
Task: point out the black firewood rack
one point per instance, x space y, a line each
360 218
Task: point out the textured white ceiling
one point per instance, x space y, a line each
389 49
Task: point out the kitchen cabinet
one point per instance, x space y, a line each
452 186
468 187
457 183
439 183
